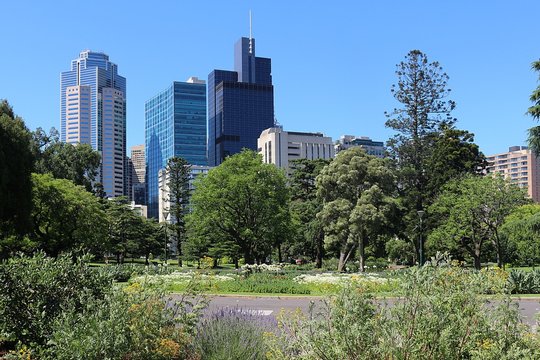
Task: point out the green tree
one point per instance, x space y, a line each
474 209
125 229
356 190
78 163
522 229
304 208
65 215
16 163
453 153
149 239
427 150
242 203
178 194
534 111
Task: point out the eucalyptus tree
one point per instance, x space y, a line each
357 191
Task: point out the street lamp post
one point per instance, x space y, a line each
421 239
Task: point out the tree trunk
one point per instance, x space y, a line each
146 262
280 258
362 254
498 249
214 263
236 263
248 258
476 256
477 264
179 246
320 251
341 263
343 258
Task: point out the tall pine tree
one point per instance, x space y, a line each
178 173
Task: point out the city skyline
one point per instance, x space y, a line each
341 58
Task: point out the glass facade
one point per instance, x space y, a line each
240 103
99 110
175 126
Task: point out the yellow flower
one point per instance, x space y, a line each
133 288
168 348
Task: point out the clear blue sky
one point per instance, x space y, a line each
333 62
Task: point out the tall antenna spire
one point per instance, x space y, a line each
250 34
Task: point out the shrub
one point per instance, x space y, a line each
440 315
34 290
233 333
133 323
122 272
521 282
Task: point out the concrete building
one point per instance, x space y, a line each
164 196
280 147
93 111
521 166
375 148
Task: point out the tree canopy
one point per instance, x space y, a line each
473 209
65 216
534 111
16 164
242 202
78 163
356 190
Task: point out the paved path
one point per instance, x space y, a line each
271 306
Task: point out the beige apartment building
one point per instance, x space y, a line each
280 147
519 165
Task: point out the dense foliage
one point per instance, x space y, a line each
356 191
35 290
63 309
242 207
441 315
16 163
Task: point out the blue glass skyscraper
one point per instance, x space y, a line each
240 103
175 126
93 111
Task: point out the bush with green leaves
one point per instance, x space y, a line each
136 322
441 314
524 282
35 290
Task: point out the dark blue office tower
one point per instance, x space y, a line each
240 103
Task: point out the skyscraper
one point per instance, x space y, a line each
138 174
175 126
240 103
93 111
